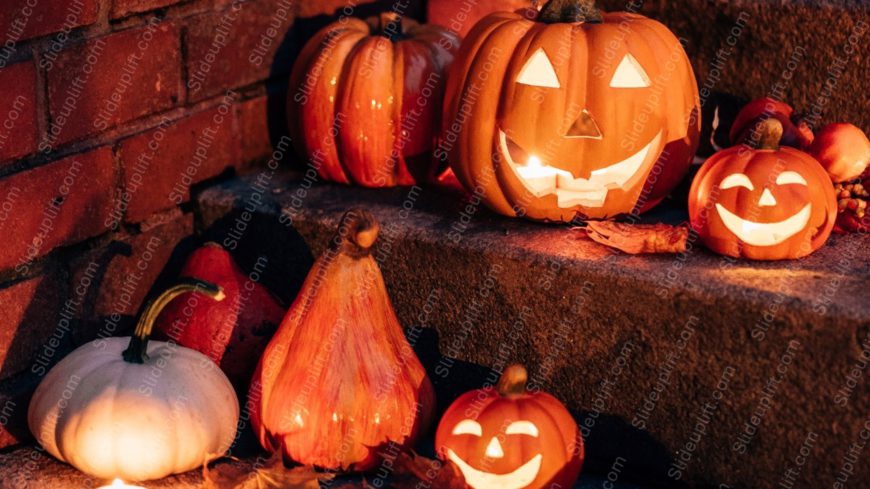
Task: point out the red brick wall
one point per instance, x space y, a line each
110 110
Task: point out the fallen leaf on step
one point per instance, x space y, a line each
264 474
636 239
413 471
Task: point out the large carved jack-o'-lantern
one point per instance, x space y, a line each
508 438
770 203
573 114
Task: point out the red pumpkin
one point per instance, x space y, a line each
365 97
339 379
770 203
509 438
232 332
843 150
796 133
571 114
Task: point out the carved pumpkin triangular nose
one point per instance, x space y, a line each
766 199
494 450
584 127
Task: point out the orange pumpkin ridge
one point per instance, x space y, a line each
364 99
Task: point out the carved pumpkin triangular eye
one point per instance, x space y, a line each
629 74
539 71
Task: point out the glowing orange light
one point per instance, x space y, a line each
119 484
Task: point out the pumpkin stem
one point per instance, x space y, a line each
136 351
356 233
570 11
513 381
390 25
766 134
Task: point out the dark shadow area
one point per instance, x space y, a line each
278 252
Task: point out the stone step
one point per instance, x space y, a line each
32 468
691 369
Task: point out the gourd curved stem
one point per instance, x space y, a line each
570 11
136 352
513 381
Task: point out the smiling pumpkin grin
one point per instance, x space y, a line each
542 180
518 479
764 234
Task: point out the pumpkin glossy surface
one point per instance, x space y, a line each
232 332
609 110
762 204
843 150
339 379
364 108
110 418
525 440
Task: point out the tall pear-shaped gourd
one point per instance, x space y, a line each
339 378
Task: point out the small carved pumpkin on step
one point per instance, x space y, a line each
509 438
769 203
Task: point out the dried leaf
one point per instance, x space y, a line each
415 471
639 238
264 474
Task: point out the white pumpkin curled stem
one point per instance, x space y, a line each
136 352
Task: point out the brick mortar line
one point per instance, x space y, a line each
124 131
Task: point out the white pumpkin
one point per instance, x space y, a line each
111 411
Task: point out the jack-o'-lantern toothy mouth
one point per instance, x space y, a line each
518 479
541 180
764 234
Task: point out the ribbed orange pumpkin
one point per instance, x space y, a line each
573 114
770 203
339 378
365 100
506 437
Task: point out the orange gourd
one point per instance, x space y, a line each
573 114
365 97
770 203
507 437
339 379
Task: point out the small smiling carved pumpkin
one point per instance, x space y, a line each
770 203
573 114
508 438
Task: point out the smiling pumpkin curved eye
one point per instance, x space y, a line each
541 116
514 440
754 215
